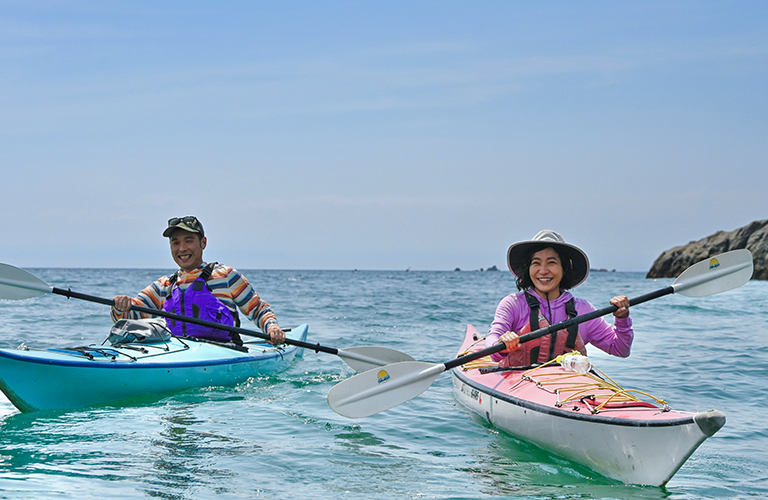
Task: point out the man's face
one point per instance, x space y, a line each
187 249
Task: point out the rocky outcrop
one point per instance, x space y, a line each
753 237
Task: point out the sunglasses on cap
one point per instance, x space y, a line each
190 221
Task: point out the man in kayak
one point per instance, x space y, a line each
546 268
210 292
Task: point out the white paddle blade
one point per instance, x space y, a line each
364 358
717 274
18 284
380 389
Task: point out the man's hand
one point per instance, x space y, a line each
276 335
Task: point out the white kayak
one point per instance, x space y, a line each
586 418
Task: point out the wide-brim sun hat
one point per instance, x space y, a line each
518 253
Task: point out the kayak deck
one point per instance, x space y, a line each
555 388
587 418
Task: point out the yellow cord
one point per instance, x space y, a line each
575 389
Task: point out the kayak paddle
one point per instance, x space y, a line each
18 284
381 388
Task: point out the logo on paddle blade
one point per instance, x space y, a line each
714 263
383 376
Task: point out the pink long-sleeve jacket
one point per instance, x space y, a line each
513 313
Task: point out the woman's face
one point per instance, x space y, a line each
546 273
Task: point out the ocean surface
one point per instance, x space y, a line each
276 437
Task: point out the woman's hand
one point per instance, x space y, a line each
622 303
511 340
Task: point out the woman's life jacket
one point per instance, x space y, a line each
550 346
197 301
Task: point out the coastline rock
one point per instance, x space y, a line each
753 237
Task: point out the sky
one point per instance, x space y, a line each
422 135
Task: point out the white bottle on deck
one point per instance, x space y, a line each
575 363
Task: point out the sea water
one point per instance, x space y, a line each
276 437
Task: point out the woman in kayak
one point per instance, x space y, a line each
546 268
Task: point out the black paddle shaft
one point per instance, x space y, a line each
201 322
557 327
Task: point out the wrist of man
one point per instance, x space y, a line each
271 324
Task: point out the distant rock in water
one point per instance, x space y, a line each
753 237
492 268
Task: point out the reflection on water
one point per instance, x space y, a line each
358 441
166 446
182 455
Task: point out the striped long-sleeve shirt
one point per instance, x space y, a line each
226 284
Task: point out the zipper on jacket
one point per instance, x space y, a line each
183 311
553 335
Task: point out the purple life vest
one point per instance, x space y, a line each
197 301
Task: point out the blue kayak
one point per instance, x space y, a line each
77 377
